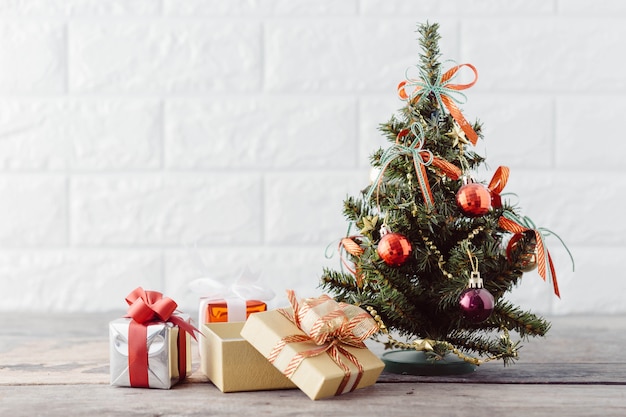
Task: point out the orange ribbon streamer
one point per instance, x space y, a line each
543 254
497 184
328 326
444 92
349 245
146 307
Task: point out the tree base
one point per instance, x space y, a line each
412 362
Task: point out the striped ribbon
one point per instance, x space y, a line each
497 184
514 224
446 94
353 248
328 327
421 159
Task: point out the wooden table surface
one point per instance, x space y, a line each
57 365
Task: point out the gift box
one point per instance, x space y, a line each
221 302
228 301
151 346
166 364
229 310
318 345
234 310
232 364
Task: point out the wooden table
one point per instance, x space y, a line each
57 365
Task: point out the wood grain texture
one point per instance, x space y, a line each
58 365
401 399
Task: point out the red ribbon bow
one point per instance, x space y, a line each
339 325
146 307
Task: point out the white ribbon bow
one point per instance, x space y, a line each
245 287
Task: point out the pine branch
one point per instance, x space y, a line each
501 348
505 315
342 284
429 57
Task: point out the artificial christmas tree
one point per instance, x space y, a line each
430 260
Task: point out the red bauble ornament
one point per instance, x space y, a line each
474 199
476 304
394 249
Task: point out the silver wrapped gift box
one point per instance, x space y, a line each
163 354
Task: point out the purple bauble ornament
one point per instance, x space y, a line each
476 304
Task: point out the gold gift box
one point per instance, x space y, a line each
232 364
317 376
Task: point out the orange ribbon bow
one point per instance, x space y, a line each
497 184
448 168
421 159
353 248
328 326
444 93
514 224
145 308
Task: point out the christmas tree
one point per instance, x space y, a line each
433 251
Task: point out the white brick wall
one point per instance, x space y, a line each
132 130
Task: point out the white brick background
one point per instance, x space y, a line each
133 130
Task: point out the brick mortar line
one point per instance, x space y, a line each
163 133
321 171
554 127
157 248
69 212
263 211
317 94
512 15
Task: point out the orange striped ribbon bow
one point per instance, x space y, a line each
448 168
329 327
353 248
514 224
421 159
446 94
497 184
